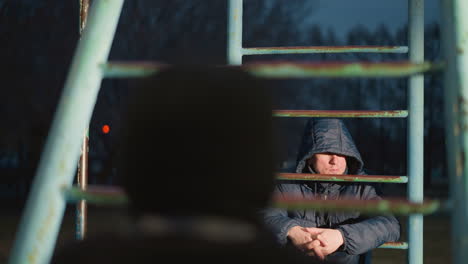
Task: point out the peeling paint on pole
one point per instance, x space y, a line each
455 24
84 7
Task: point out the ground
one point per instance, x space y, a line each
436 234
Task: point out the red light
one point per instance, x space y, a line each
105 129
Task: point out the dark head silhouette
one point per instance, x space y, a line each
196 160
198 140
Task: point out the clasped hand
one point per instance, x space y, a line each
318 242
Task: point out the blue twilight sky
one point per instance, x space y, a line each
342 15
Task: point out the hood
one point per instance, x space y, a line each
328 135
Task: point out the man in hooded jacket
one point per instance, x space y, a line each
338 237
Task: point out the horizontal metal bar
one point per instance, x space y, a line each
342 178
131 69
97 195
116 196
338 69
339 113
400 207
395 245
281 69
323 49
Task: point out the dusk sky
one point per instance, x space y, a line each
349 13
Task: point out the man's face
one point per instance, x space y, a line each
328 163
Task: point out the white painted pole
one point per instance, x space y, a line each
41 220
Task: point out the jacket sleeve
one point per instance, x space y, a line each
369 233
277 221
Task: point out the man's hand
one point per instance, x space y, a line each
330 240
300 237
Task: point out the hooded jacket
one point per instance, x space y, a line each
360 233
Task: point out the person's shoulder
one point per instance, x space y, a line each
288 186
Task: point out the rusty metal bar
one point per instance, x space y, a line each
342 178
339 69
282 69
84 7
323 49
117 197
81 207
395 245
340 113
454 28
397 207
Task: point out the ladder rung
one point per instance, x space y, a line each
282 69
116 196
342 178
339 113
323 49
395 245
131 69
96 194
387 206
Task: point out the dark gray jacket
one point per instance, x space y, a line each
361 233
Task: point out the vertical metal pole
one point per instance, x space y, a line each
40 222
81 207
234 49
416 130
454 30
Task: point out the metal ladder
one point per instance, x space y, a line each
415 114
52 187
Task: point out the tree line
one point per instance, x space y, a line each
38 38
